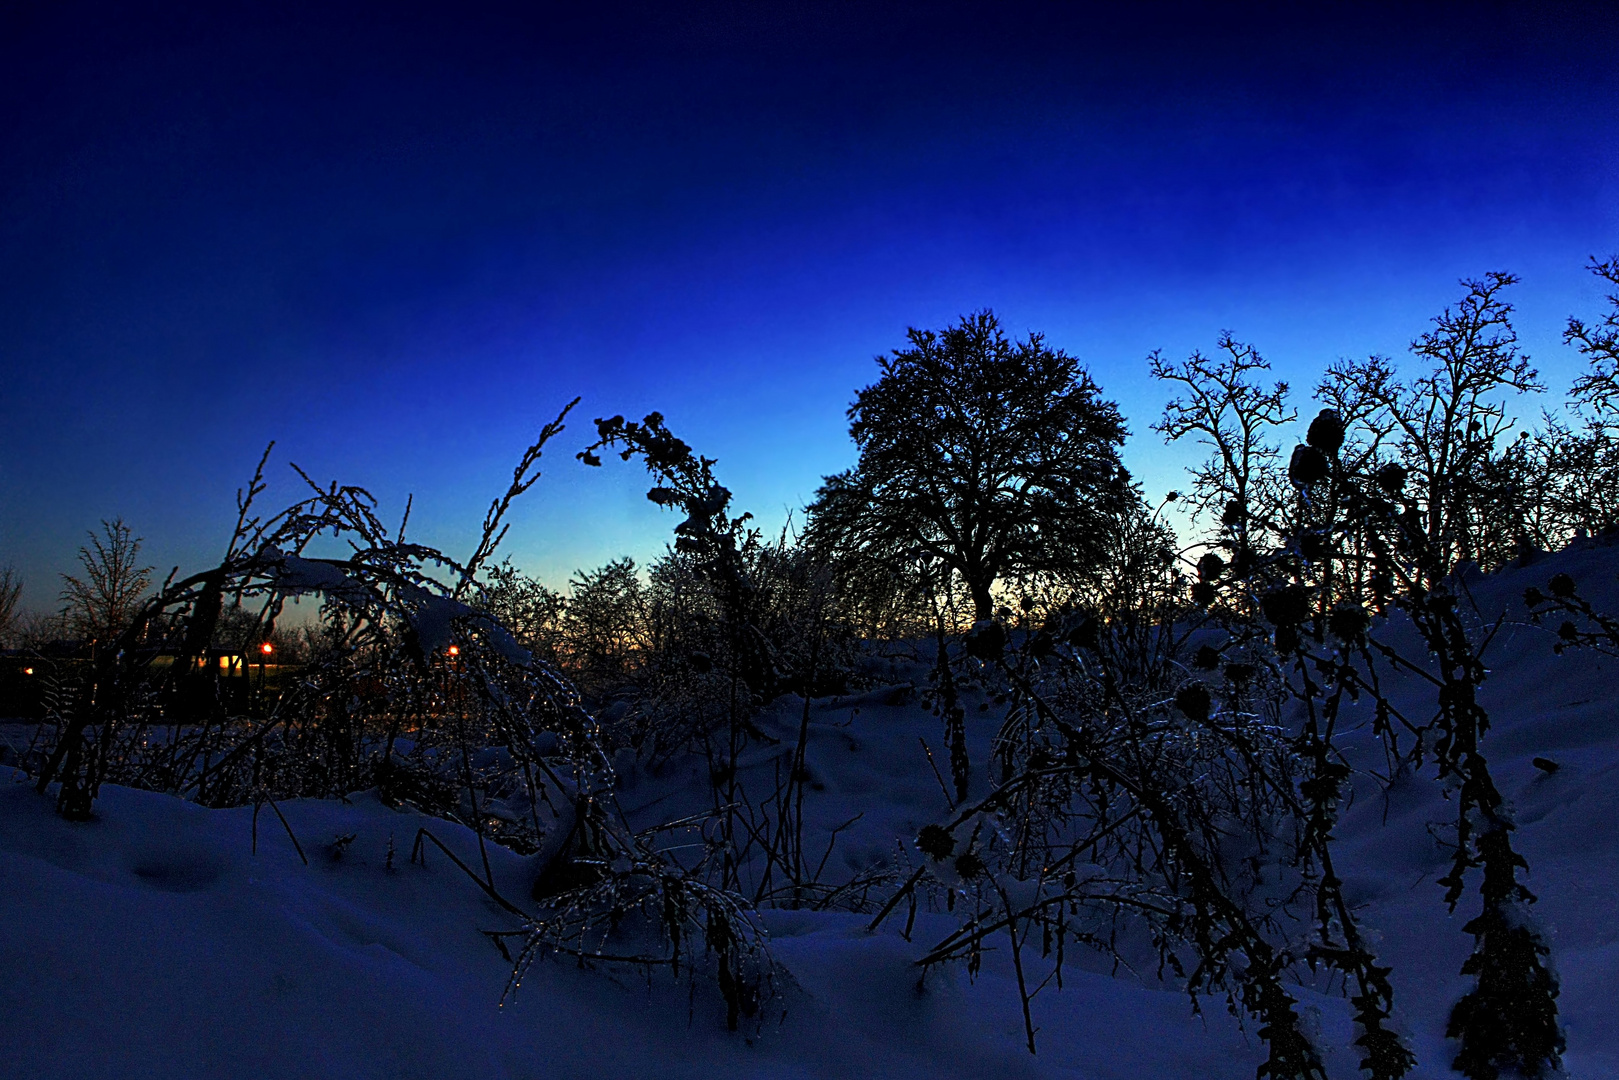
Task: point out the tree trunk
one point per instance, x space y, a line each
983 605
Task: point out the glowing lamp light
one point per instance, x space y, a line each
27 671
266 648
455 650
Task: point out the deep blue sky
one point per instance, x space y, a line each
397 240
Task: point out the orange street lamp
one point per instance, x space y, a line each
265 649
455 650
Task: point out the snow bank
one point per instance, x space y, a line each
153 942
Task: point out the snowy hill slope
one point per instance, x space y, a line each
154 942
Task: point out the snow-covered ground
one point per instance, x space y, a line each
154 942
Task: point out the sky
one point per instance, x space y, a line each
397 239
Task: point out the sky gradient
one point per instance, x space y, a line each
398 239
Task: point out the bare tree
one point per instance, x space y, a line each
102 603
1232 414
604 622
1448 425
1599 343
10 594
526 607
1582 458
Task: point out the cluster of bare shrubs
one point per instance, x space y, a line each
407 685
476 694
1169 772
655 657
